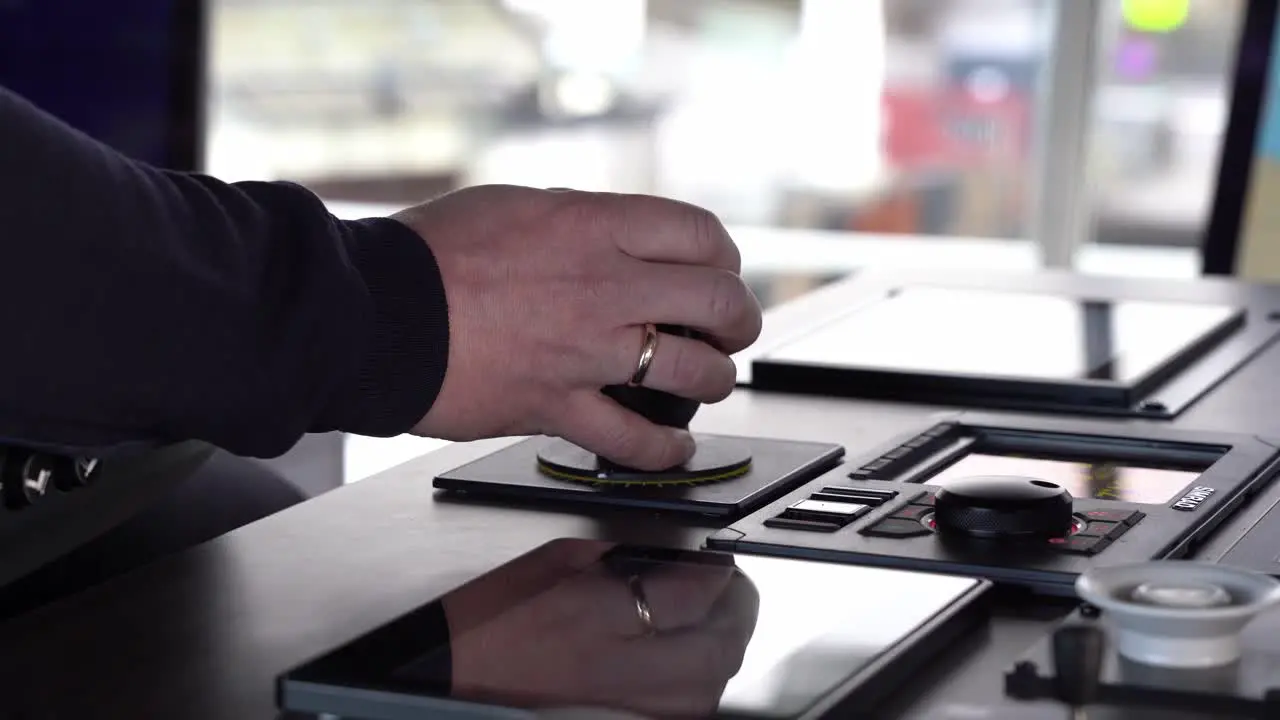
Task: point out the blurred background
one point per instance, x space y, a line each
828 135
805 124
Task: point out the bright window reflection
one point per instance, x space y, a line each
906 121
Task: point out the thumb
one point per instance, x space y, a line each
602 426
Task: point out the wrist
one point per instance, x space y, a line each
406 349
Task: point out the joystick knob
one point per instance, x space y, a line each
715 459
660 408
1003 507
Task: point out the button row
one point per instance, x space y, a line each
905 522
886 464
1102 528
830 509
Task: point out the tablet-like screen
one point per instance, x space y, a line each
728 636
1098 479
1027 336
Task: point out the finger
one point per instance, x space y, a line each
683 595
683 673
717 303
733 619
681 366
679 596
664 230
605 428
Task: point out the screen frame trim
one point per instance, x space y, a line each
782 372
1232 474
1220 248
189 86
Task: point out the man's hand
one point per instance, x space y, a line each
549 292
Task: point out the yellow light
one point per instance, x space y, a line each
1156 16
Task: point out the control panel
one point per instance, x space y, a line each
1032 503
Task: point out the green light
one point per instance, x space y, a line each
1156 16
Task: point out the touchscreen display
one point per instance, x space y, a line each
1010 335
1100 480
765 638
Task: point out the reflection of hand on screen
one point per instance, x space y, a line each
582 642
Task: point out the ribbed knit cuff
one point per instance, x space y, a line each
405 361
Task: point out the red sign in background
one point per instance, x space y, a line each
950 128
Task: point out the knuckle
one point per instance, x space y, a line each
726 300
581 213
686 371
706 233
623 443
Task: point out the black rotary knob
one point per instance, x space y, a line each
1003 507
660 408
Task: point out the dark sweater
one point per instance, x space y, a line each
148 306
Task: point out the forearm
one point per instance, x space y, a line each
142 305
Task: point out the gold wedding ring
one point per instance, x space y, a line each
643 612
646 355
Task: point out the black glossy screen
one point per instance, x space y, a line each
765 639
1097 479
1009 335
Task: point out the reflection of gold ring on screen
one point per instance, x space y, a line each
643 612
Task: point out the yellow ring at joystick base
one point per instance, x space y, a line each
716 460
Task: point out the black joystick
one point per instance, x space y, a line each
1078 652
1003 507
714 461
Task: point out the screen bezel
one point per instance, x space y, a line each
1220 248
1112 392
366 666
1198 459
189 85
1197 377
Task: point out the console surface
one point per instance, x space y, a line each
1138 493
1019 350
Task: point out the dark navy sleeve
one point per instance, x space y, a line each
139 305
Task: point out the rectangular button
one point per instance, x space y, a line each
860 492
925 498
847 499
821 510
1128 517
896 453
896 528
912 512
1081 544
939 430
1107 530
875 465
786 523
